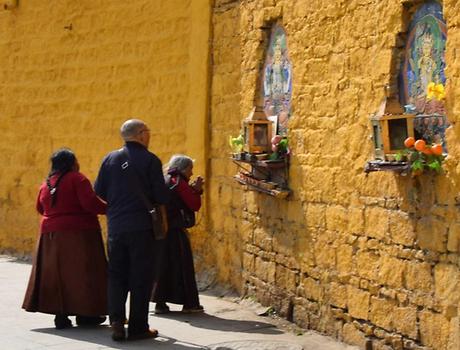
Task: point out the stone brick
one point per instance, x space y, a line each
405 321
373 244
306 258
376 221
381 313
431 234
263 239
344 259
353 336
283 241
287 261
434 330
316 215
380 345
380 333
401 297
251 204
454 336
265 270
338 295
336 218
424 300
367 265
391 271
356 220
388 293
249 262
402 229
447 284
286 279
358 303
419 276
311 289
364 284
324 255
453 241
247 230
300 316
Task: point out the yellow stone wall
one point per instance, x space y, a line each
72 71
362 258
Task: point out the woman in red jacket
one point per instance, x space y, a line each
176 281
69 269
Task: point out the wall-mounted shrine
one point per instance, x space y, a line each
263 164
417 110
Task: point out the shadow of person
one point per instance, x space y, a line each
102 336
204 320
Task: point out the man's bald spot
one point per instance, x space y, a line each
131 128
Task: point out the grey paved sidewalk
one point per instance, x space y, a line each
226 325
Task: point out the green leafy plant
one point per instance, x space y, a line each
236 143
280 147
421 157
283 146
400 156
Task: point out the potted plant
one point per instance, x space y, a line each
421 156
237 144
280 147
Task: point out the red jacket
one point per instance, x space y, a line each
76 206
190 197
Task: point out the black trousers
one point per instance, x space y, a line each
131 269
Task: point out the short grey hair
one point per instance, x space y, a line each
180 162
131 128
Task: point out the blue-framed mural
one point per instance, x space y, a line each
422 79
277 79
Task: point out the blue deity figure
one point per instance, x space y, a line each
423 67
277 81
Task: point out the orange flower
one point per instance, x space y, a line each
420 145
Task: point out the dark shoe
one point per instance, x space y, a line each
192 309
90 320
148 334
118 331
62 322
161 308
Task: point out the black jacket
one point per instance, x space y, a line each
126 211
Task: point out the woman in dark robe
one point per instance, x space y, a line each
175 282
69 268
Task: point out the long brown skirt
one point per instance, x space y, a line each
69 275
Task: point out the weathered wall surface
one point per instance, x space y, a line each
358 257
72 71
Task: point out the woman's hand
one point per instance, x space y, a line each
197 185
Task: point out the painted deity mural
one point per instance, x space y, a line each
277 80
422 79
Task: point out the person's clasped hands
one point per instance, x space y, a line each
197 184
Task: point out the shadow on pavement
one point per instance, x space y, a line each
204 320
24 259
101 336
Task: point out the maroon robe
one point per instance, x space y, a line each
175 281
69 272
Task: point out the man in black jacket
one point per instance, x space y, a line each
123 176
